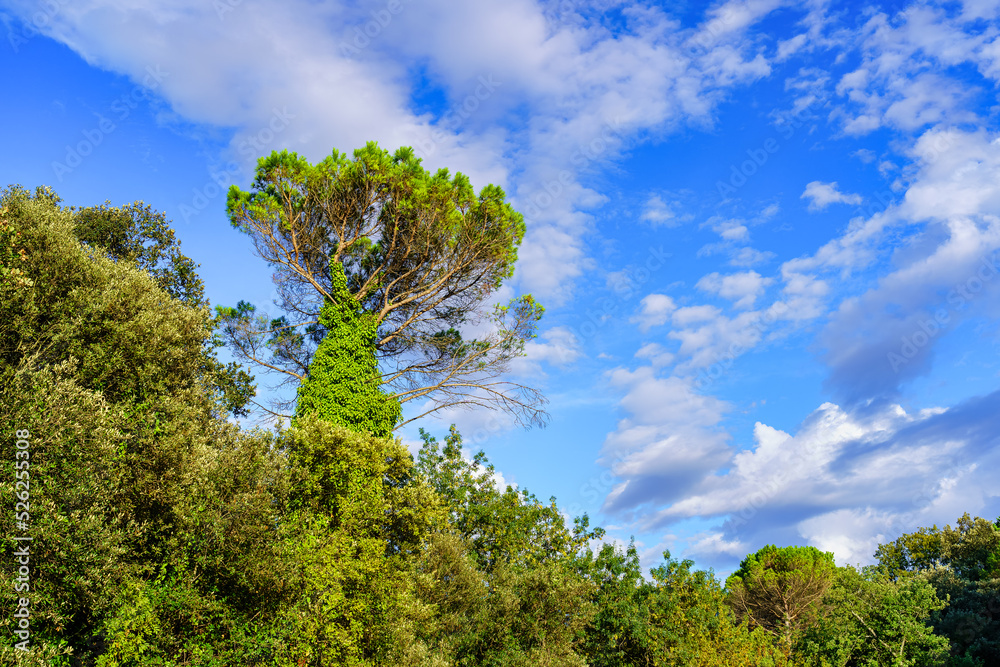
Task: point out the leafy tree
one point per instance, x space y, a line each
691 623
781 589
12 254
136 233
106 371
79 510
972 548
413 256
873 621
921 550
619 634
961 563
971 619
502 526
462 616
355 516
505 583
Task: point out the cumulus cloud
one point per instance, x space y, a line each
557 346
848 480
742 288
729 230
669 440
900 83
821 195
689 315
912 262
957 176
885 336
789 47
656 212
734 235
658 355
747 256
865 155
708 337
654 310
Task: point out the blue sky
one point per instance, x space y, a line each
766 233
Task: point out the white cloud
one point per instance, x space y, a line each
557 346
476 426
707 337
669 439
658 355
822 195
865 155
789 47
655 310
899 82
715 544
886 336
980 9
885 168
657 212
742 288
586 90
733 232
846 481
688 315
729 230
852 535
958 175
747 256
805 296
950 214
770 211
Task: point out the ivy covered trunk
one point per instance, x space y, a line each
344 384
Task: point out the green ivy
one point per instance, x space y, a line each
343 386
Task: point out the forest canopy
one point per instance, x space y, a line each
165 534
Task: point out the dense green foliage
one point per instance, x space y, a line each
875 621
165 535
961 564
107 372
136 233
782 590
344 385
